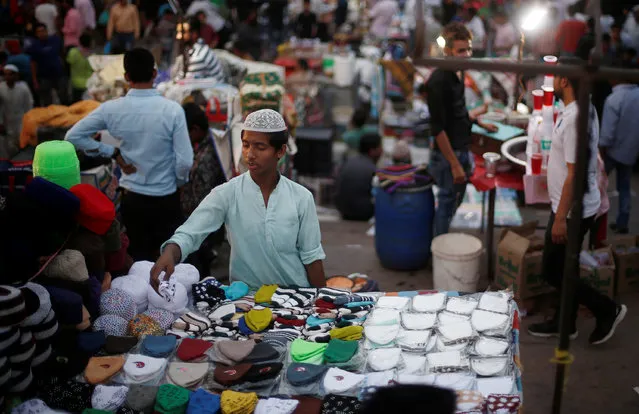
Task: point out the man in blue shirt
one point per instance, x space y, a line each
46 67
21 60
619 143
271 221
155 154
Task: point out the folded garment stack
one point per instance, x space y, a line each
109 397
142 325
28 325
300 297
265 293
187 374
327 343
158 346
207 293
115 345
171 399
307 352
141 398
142 369
233 402
193 350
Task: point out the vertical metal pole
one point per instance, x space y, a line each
573 245
520 58
490 233
482 227
420 30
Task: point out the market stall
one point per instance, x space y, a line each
200 343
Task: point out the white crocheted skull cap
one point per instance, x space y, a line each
264 120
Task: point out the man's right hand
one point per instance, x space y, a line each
126 168
166 264
459 175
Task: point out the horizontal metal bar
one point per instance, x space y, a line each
530 68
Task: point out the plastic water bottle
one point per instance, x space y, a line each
534 133
545 149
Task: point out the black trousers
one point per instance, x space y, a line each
150 221
554 259
204 256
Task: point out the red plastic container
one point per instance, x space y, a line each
538 99
535 163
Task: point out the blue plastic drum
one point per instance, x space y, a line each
404 227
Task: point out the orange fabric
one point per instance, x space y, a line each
53 116
403 71
470 83
339 282
100 369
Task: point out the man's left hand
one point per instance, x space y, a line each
489 127
559 231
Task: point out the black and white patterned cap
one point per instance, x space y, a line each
264 120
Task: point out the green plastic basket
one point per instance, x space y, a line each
56 161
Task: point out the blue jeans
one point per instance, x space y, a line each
450 195
624 175
124 40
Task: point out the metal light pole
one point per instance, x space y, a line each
182 30
563 358
420 30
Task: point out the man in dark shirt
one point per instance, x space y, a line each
449 10
354 181
248 33
276 10
46 67
451 162
306 27
600 89
206 174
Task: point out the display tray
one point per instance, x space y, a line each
468 343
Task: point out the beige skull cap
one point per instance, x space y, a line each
264 120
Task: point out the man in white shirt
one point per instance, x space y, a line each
631 28
505 34
381 16
561 176
15 101
87 11
476 26
46 13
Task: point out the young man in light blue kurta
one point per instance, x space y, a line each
271 221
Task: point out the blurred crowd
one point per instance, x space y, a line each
47 43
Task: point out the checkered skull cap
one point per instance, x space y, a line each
264 120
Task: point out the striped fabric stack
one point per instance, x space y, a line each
403 177
261 91
203 63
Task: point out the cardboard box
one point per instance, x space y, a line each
603 277
520 266
626 262
621 242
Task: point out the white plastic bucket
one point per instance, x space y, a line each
456 258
